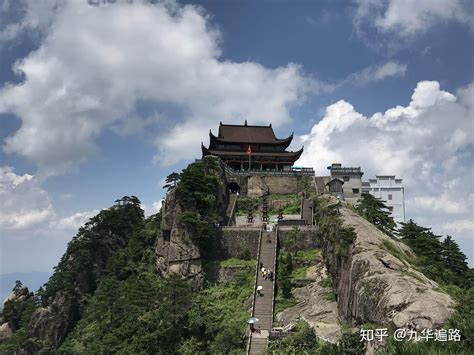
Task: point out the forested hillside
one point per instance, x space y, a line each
107 296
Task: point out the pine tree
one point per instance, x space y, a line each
423 241
455 261
377 213
172 181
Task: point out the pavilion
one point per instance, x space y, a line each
246 147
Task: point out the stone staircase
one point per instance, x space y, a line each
231 209
263 305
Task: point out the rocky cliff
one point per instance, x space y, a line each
376 282
188 224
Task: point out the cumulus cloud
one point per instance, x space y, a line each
24 203
97 63
154 208
34 18
405 18
27 207
74 221
428 143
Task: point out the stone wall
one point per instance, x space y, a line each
257 185
234 241
309 237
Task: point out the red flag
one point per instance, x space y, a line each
249 150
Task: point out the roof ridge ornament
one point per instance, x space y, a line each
245 122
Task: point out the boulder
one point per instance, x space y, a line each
6 331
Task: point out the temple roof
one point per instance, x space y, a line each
248 134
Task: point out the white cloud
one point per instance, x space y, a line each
26 206
461 225
405 18
97 62
428 143
377 73
24 203
154 208
36 17
74 221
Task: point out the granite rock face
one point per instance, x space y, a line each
6 331
177 251
52 324
376 282
316 306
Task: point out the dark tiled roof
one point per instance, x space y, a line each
247 134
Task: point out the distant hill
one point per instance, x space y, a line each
33 280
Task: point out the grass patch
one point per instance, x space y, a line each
412 274
299 273
331 297
327 282
292 203
397 252
238 263
308 255
284 197
283 303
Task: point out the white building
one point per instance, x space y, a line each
352 179
390 190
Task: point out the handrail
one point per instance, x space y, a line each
274 272
255 288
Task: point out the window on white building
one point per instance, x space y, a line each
346 178
355 191
389 197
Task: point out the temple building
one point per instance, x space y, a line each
246 147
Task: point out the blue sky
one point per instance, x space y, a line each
103 100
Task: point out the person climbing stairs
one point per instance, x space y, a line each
263 303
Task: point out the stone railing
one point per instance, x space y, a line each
294 172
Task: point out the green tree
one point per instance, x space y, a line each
423 241
172 181
292 240
18 287
302 340
455 262
376 212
